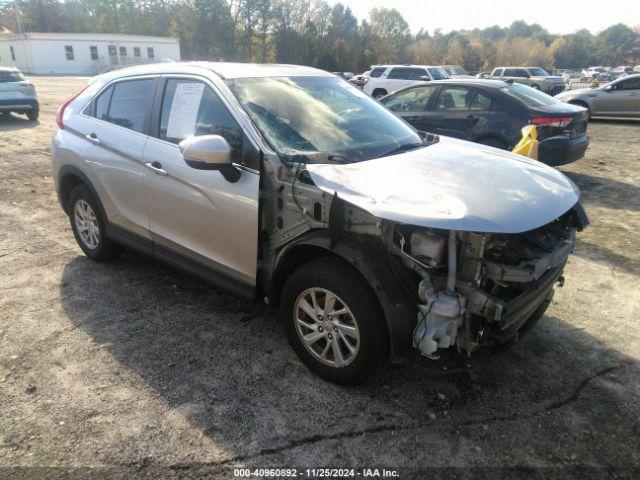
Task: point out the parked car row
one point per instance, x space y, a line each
378 241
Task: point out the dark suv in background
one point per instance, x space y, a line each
493 113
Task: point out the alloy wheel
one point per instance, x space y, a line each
86 224
326 327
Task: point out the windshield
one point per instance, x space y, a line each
314 118
438 73
455 70
6 77
538 72
529 96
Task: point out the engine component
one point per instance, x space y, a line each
427 247
438 322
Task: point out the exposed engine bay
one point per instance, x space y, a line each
478 289
463 290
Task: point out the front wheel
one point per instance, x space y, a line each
333 322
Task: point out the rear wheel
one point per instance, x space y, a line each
33 114
379 93
89 227
334 322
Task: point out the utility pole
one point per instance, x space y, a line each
19 19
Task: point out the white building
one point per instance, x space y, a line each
82 53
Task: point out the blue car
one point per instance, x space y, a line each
17 94
493 112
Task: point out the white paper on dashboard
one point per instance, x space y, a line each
184 110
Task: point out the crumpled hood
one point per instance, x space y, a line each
454 185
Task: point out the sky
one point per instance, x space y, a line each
557 16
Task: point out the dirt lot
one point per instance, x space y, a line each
136 369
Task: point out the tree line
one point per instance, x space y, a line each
313 32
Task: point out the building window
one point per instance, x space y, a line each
94 52
123 51
150 52
68 50
13 54
112 51
136 52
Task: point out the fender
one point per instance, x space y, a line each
66 170
371 260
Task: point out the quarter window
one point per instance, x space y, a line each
413 100
454 98
128 104
191 109
93 50
68 50
102 104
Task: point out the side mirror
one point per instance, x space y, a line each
209 152
424 78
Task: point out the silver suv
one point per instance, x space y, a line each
287 184
17 94
534 77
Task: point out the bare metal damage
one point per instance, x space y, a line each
464 287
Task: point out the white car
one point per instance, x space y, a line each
385 79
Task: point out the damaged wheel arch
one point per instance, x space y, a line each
371 261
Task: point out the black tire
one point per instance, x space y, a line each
33 114
106 250
338 277
493 142
379 93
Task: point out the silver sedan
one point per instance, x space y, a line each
620 98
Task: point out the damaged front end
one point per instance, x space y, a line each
482 289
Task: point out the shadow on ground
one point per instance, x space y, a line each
224 363
12 122
606 192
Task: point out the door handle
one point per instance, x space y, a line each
93 138
156 168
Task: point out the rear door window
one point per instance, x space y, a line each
129 104
454 99
191 109
481 102
413 100
399 73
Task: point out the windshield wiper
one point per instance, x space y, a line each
402 148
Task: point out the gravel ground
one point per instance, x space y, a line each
134 369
